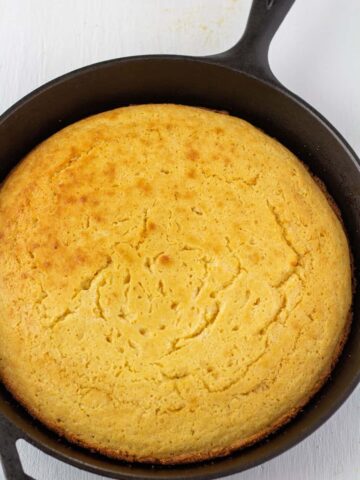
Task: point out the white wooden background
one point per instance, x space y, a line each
316 53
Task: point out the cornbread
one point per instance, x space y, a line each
174 284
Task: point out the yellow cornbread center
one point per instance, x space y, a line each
173 283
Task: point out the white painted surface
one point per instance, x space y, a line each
315 54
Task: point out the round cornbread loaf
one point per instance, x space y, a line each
174 284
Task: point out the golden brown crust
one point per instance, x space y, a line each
287 272
182 459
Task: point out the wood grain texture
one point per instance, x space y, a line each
315 54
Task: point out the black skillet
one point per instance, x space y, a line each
241 82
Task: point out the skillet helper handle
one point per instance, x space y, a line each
9 455
250 53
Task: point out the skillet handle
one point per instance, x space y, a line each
9 455
250 54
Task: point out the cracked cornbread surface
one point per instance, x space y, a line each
173 283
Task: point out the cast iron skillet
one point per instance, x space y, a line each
239 81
